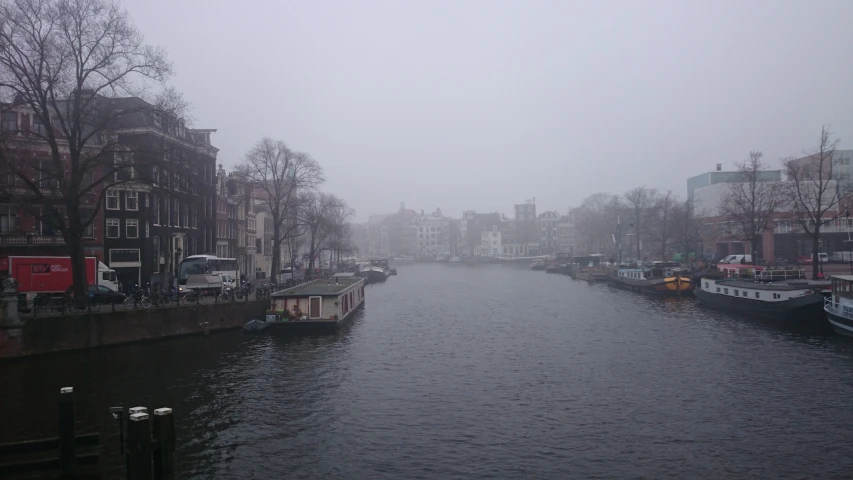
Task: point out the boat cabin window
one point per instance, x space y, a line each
842 288
745 293
706 284
726 291
757 295
718 289
737 293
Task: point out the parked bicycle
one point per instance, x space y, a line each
227 295
137 299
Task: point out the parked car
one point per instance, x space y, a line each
100 294
805 260
737 259
808 260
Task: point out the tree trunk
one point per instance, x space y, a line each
815 251
312 252
74 240
276 252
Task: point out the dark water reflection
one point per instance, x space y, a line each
454 371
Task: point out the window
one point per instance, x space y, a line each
757 295
146 230
147 199
48 223
737 293
9 121
132 228
38 126
123 162
8 219
131 200
156 212
185 215
155 175
718 289
112 200
745 293
48 176
166 205
155 252
112 228
86 216
726 291
706 284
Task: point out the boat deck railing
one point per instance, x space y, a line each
836 309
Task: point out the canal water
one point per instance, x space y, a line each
487 371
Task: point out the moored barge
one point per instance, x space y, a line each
666 278
776 295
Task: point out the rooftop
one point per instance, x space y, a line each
321 288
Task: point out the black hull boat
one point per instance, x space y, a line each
804 308
796 301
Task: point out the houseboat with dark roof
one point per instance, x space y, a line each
666 278
325 304
773 294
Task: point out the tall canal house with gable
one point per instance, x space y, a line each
164 211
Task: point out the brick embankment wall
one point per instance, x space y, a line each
88 330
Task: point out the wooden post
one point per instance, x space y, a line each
66 429
139 447
164 434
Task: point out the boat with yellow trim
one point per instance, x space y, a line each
666 278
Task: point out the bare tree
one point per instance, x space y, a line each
592 222
751 203
277 174
661 216
64 61
686 227
640 200
340 238
320 214
817 187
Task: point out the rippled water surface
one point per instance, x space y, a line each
455 371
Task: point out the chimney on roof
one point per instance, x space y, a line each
719 167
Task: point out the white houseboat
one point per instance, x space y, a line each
321 304
839 306
787 299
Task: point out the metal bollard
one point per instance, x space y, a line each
164 434
66 428
139 447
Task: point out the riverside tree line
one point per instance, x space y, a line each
644 223
67 60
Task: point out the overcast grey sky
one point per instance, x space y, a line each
481 104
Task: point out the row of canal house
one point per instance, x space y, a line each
173 202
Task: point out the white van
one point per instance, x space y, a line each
822 258
737 259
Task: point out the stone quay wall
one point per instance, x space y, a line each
77 331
